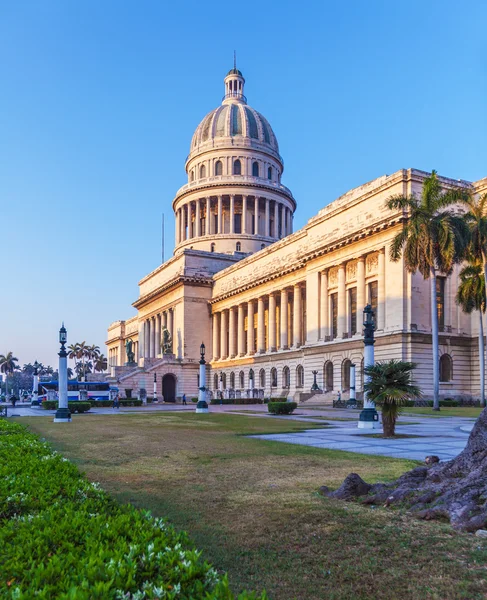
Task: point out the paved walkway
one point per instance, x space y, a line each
444 436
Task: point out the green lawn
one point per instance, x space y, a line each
459 411
252 507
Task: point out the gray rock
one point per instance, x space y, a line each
481 533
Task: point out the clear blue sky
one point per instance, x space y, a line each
99 101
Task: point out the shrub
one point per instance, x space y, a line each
63 537
223 401
76 406
194 399
280 399
449 402
281 408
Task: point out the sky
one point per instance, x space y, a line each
99 101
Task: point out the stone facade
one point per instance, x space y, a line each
271 305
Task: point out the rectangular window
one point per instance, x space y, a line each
373 295
440 302
352 303
334 315
237 223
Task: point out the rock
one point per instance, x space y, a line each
481 533
352 487
430 460
324 490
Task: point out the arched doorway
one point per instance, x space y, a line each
169 388
328 376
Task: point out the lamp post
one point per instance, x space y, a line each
369 418
315 387
62 414
202 404
352 401
154 397
220 387
35 386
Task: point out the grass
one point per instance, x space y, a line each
459 411
253 508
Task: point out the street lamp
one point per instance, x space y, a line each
369 418
352 401
315 387
202 404
62 414
35 386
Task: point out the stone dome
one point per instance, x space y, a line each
234 120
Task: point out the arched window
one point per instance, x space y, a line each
218 168
215 381
286 378
255 169
299 376
232 380
212 248
202 171
251 379
346 364
446 368
328 376
241 377
269 173
262 378
224 380
191 176
237 167
273 377
238 247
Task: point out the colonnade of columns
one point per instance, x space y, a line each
150 333
233 213
307 312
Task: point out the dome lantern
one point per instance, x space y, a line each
234 85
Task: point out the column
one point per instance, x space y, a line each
198 218
241 330
250 328
342 305
276 220
178 227
232 214
244 214
284 326
208 217
381 291
284 220
267 216
190 220
220 214
152 337
223 334
232 342
297 316
272 322
141 340
313 307
361 296
170 323
256 215
260 325
164 319
158 335
216 337
147 339
324 308
182 221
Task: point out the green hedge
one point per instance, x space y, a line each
77 406
281 408
63 537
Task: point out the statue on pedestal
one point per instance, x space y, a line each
130 353
166 343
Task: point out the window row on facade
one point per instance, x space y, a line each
237 166
233 214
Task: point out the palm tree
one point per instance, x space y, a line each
8 365
433 239
101 363
471 296
93 352
390 386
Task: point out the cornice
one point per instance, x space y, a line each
177 281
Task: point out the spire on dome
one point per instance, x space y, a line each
234 85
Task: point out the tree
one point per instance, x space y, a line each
390 386
8 364
101 363
432 239
471 296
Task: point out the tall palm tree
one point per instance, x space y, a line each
8 364
101 363
471 296
432 239
389 384
93 352
476 219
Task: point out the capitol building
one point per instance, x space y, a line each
272 304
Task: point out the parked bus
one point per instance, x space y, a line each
77 390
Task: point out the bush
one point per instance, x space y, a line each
223 401
76 406
64 537
449 402
194 399
280 399
281 408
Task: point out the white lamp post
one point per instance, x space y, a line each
352 401
154 397
35 386
369 418
202 405
62 414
